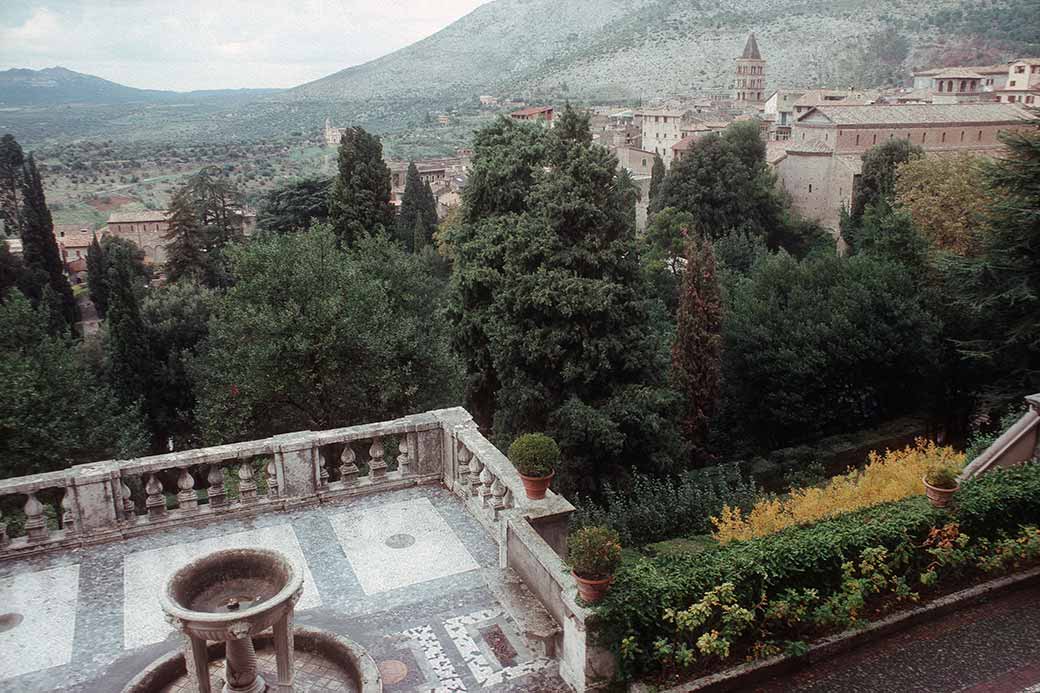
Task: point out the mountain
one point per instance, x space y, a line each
631 48
58 85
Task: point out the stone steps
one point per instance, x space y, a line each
536 624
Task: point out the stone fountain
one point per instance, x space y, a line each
231 596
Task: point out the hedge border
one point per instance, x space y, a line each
746 675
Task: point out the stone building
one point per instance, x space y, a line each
73 240
749 85
333 136
823 159
660 130
541 114
1023 83
778 111
144 229
993 77
445 176
826 97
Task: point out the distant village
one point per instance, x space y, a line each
815 139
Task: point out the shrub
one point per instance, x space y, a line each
942 476
652 509
891 477
594 552
534 454
670 612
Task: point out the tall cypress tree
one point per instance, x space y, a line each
429 210
657 174
205 218
411 219
40 250
360 200
97 282
11 161
128 361
696 354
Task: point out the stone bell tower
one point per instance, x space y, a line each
749 87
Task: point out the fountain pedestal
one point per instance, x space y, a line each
230 596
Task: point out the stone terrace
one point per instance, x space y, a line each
436 563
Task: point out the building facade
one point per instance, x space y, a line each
1023 83
146 230
823 159
541 114
749 85
660 130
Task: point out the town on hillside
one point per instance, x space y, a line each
523 357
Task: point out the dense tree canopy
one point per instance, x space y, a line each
100 258
878 176
314 336
205 218
54 412
48 284
554 321
828 342
295 206
360 201
415 226
12 158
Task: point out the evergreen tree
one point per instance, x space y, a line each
412 217
1000 289
657 174
205 218
430 210
295 206
697 350
555 324
40 251
360 201
572 127
11 161
13 275
97 281
127 358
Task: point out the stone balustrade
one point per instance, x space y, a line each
109 500
1018 444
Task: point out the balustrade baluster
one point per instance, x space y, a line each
36 521
476 468
323 471
246 482
464 456
498 492
216 493
156 501
271 472
486 480
126 497
404 460
348 470
68 514
376 465
186 497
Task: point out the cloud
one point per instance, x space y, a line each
206 44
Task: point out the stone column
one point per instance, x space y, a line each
196 659
94 500
283 648
295 455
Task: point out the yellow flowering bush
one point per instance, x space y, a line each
892 476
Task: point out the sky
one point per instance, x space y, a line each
214 44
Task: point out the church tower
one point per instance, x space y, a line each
749 87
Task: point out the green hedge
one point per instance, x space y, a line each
633 616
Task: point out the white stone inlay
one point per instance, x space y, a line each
436 551
145 573
464 630
46 600
443 669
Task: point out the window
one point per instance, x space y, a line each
1011 83
923 136
875 138
943 139
1029 99
1020 69
962 135
980 136
857 140
810 187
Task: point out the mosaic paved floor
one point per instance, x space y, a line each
396 572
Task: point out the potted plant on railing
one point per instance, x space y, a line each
535 456
940 483
594 554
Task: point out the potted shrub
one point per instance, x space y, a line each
594 554
940 483
535 456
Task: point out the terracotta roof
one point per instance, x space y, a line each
671 112
79 265
685 144
134 217
751 49
978 69
531 110
815 97
923 113
958 72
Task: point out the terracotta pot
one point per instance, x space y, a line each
939 497
536 486
592 590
